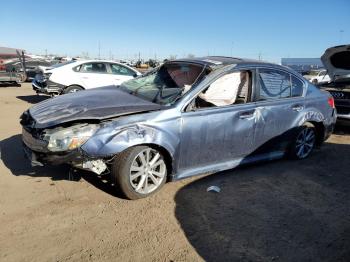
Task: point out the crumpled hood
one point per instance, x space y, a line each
99 103
337 62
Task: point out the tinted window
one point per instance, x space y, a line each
322 73
94 68
121 70
297 87
274 84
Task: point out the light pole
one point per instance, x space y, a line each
341 31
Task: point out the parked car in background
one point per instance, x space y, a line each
321 77
337 62
185 118
75 76
31 67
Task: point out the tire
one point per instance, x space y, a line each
304 142
133 173
315 82
72 89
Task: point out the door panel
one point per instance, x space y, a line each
216 135
275 125
279 104
94 74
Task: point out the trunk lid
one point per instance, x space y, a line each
337 62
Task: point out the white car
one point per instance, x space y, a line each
80 75
321 77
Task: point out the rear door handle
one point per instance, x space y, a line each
297 108
247 114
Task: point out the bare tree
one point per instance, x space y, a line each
190 56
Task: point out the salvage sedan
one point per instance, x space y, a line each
185 118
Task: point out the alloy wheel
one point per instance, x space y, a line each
147 171
305 142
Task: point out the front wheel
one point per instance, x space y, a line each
72 89
139 171
304 142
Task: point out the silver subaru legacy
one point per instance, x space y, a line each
184 118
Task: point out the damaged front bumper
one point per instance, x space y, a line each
47 88
76 158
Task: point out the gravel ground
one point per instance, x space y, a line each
277 211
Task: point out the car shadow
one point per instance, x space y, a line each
14 159
342 129
277 211
33 99
10 84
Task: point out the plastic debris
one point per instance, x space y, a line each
214 189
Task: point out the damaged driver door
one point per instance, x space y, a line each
211 136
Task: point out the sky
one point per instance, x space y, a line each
268 29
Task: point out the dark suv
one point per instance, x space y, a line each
337 62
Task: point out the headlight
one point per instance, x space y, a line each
63 139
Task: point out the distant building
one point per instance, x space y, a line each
303 65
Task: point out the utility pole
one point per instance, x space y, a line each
341 31
259 56
99 50
139 56
45 52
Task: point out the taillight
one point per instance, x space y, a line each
331 102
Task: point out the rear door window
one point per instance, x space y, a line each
94 68
121 70
274 84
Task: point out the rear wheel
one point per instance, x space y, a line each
304 142
139 171
72 89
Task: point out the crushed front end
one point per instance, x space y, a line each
59 145
41 84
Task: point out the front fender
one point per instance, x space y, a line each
113 141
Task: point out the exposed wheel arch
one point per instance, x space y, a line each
319 128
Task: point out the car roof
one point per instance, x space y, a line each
96 61
216 62
220 60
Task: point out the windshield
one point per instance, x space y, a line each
165 84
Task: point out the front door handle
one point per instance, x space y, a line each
297 108
247 114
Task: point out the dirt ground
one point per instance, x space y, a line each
279 211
